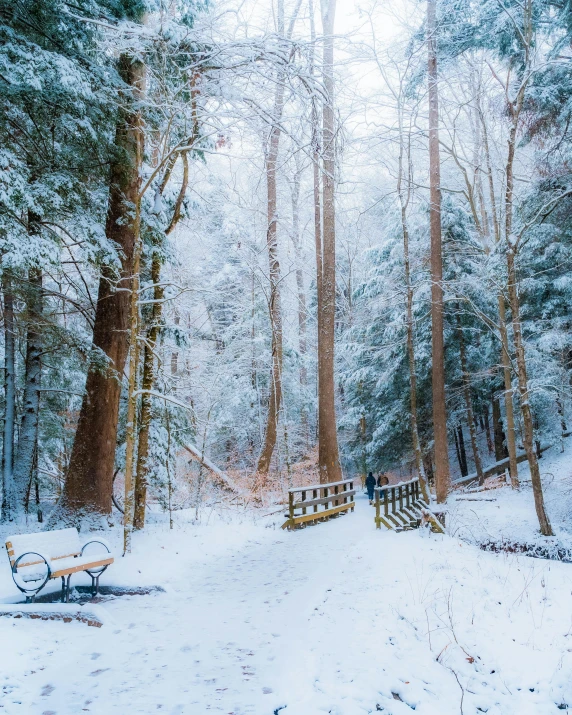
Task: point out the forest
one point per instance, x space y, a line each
207 245
247 247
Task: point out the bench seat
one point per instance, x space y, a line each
37 558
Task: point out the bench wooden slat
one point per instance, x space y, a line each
84 567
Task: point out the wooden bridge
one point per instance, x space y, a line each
402 507
319 502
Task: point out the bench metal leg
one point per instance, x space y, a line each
63 589
68 588
95 585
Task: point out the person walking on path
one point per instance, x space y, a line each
382 481
370 486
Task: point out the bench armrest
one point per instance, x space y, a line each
41 556
20 580
97 540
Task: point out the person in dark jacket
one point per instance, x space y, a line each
370 486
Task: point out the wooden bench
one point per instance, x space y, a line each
35 559
334 498
401 507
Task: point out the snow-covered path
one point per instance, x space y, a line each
336 618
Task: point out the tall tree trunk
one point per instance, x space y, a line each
515 108
148 377
442 474
275 310
8 503
88 486
275 397
488 430
404 197
28 435
147 382
458 453
469 403
528 432
131 420
302 317
328 455
505 354
508 400
498 432
462 451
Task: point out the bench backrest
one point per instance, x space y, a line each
56 544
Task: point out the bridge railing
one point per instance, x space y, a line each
318 502
399 505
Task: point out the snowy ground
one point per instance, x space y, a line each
337 618
505 515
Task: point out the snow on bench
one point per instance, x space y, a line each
35 559
335 498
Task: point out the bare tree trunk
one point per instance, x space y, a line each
8 503
328 455
462 451
148 378
488 430
505 354
28 436
469 403
515 108
442 474
508 401
131 421
302 317
528 432
147 382
458 453
275 310
498 432
404 201
88 486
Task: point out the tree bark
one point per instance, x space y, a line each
8 503
488 430
302 317
404 201
501 451
88 486
528 435
458 453
28 436
469 403
515 108
275 310
147 382
274 307
505 354
328 455
508 400
148 378
442 474
462 451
